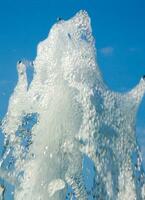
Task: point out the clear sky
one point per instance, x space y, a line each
118 28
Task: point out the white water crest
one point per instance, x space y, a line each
67 136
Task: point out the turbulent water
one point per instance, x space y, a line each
66 135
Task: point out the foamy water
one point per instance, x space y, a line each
67 117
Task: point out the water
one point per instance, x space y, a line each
66 135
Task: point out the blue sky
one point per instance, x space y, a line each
118 28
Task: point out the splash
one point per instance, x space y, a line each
67 136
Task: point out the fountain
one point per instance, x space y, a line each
67 135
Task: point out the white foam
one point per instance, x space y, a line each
77 115
55 186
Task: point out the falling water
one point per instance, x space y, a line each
66 135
